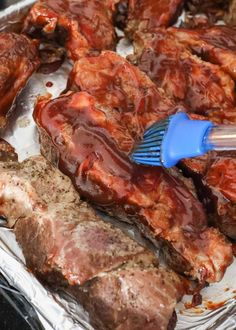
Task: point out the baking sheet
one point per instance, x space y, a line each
56 310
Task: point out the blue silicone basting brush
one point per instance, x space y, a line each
168 141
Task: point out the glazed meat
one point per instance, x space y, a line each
67 245
89 135
203 87
83 26
18 61
148 14
216 45
230 16
7 152
214 177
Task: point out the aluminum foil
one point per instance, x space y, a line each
58 311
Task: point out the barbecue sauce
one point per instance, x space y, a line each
82 26
92 134
151 14
78 130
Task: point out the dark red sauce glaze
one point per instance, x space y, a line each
216 44
203 87
49 84
149 14
169 58
84 26
234 250
92 134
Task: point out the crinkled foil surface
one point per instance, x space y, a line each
58 311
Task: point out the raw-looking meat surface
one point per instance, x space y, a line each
83 26
89 134
67 245
148 14
202 86
18 61
205 88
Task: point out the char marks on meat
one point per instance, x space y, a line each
67 245
89 135
148 14
206 86
18 61
83 26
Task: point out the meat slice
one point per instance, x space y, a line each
216 45
89 135
18 61
83 26
67 245
203 87
149 14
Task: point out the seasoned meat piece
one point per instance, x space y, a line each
7 152
67 245
203 87
18 61
206 89
216 45
89 136
148 14
109 293
83 26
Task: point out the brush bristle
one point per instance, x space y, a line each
148 151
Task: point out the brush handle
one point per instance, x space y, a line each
221 137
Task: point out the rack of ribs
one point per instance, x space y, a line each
18 61
83 26
89 132
148 14
169 58
67 245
